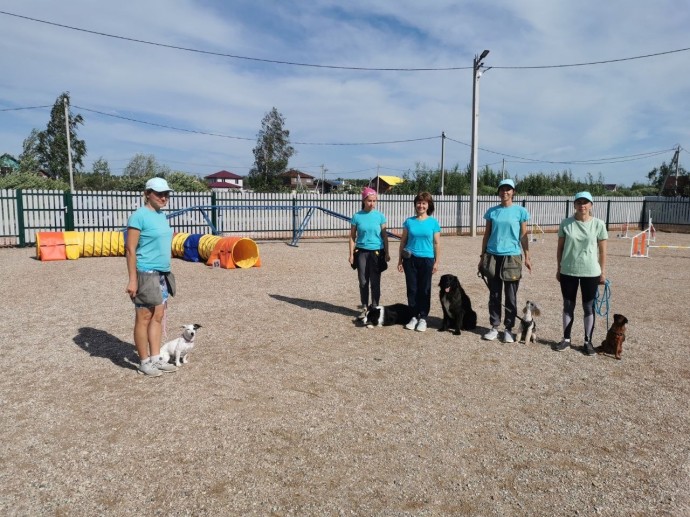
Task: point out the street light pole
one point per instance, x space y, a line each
477 73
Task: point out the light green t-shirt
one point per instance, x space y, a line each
581 248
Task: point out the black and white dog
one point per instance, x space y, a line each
386 315
179 348
528 326
457 307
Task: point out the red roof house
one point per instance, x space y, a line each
224 179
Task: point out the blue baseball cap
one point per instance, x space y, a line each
510 183
158 185
584 195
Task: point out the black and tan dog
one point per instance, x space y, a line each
457 307
613 344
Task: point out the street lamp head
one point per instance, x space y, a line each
483 55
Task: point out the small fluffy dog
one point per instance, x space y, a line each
386 315
179 348
457 307
528 326
613 344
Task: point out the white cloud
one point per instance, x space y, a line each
556 114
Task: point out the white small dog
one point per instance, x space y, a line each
179 348
528 326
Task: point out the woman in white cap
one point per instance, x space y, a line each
368 249
505 239
580 261
149 249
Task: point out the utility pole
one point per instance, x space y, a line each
503 166
323 177
69 147
477 73
378 180
443 155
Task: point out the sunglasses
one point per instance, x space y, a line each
161 194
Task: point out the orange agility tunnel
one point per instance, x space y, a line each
235 252
50 246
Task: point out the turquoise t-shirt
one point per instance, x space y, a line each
368 226
420 236
505 229
155 242
581 247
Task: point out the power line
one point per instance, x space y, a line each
26 108
337 67
165 126
517 159
161 125
233 56
594 161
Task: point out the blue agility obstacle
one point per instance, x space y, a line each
296 233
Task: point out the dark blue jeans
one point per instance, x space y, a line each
418 273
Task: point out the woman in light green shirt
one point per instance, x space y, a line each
580 262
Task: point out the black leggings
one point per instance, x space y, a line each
569 285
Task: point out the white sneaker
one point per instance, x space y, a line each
363 313
421 326
164 366
491 335
412 324
508 337
149 369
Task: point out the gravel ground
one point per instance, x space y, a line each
288 407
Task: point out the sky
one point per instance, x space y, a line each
385 80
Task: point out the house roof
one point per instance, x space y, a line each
223 175
391 180
9 159
293 173
222 184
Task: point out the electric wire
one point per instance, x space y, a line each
339 67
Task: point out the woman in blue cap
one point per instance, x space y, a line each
580 261
149 249
505 238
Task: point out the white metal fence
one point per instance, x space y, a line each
278 216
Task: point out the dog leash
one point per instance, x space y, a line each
602 303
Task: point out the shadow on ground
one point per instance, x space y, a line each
99 343
316 304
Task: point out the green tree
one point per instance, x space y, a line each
183 182
99 178
658 175
29 161
52 142
271 154
145 166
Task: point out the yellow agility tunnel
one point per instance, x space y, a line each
231 252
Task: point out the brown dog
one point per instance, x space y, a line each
613 344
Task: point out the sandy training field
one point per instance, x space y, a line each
288 407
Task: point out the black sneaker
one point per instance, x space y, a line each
563 345
588 349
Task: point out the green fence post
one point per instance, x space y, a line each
294 218
69 208
608 213
20 218
214 210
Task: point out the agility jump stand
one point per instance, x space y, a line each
639 246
